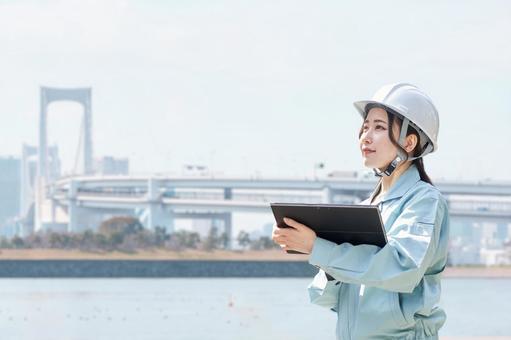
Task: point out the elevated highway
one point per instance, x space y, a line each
158 201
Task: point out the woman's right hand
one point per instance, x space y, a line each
275 236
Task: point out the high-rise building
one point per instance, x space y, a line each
28 173
10 173
502 232
109 165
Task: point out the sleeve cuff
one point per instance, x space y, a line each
321 251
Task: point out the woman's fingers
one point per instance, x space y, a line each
276 232
284 231
295 247
298 237
285 241
294 224
280 238
281 235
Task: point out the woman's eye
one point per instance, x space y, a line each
380 127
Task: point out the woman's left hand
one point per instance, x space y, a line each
299 237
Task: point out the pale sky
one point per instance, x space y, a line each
256 86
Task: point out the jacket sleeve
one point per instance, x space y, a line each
323 292
401 263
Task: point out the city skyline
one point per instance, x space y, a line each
243 91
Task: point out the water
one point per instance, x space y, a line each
212 309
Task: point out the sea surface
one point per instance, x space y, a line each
206 308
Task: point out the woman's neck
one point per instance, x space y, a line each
388 181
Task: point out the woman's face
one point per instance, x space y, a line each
375 145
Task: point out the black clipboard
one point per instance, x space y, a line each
356 224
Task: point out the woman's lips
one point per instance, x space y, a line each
366 152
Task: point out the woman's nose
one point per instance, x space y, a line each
365 138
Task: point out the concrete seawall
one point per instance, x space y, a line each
152 268
192 268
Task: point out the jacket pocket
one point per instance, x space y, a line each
379 314
397 311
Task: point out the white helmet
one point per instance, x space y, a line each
415 108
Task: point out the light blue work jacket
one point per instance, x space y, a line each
390 292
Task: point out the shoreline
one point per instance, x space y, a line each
148 254
156 262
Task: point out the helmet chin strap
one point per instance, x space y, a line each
401 156
390 168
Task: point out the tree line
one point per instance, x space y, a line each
126 234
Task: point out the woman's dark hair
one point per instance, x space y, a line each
419 163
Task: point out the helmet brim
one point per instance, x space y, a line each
362 105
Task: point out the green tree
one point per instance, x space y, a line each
122 224
160 236
193 240
34 241
224 240
17 242
4 243
86 240
264 242
101 241
185 239
213 240
56 240
243 239
116 229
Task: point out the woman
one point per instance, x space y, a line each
390 292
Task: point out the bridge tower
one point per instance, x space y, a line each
49 95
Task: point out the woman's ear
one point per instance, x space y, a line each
411 142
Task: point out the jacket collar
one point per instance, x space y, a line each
404 183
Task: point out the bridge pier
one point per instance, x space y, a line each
227 218
327 195
72 211
225 224
227 193
157 215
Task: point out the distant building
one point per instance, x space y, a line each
28 177
109 165
462 230
195 170
479 243
10 173
461 253
495 257
342 174
28 168
502 233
